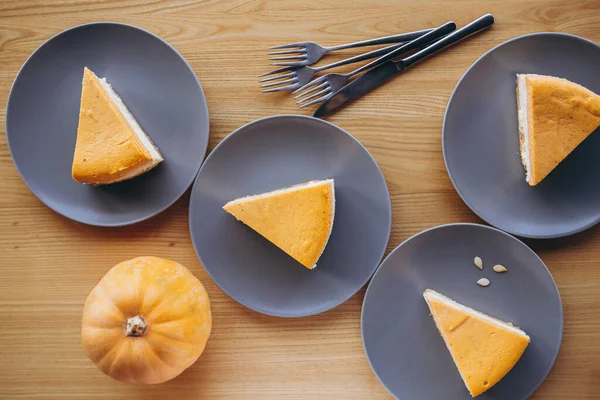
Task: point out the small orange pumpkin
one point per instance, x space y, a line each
146 321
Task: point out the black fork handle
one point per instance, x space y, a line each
479 24
429 37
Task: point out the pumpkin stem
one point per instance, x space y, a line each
136 326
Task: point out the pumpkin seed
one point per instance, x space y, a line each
483 282
499 268
478 262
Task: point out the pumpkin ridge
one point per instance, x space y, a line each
113 353
158 308
94 323
149 309
103 296
151 364
172 320
90 327
158 356
167 336
145 309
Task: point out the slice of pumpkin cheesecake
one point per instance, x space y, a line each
111 146
555 116
297 219
483 348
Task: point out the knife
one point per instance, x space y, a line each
388 69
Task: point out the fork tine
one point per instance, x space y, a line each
276 71
298 58
327 89
309 84
288 87
319 100
288 64
316 88
266 85
286 46
291 74
276 53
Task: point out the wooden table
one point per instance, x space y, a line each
48 264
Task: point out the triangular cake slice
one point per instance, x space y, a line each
111 146
555 116
297 219
483 348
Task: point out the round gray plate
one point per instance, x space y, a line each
158 87
269 154
401 341
481 141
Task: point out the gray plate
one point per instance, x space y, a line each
481 144
269 154
158 87
401 341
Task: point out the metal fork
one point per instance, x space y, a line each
331 83
297 77
308 53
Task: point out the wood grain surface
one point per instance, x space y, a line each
48 264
